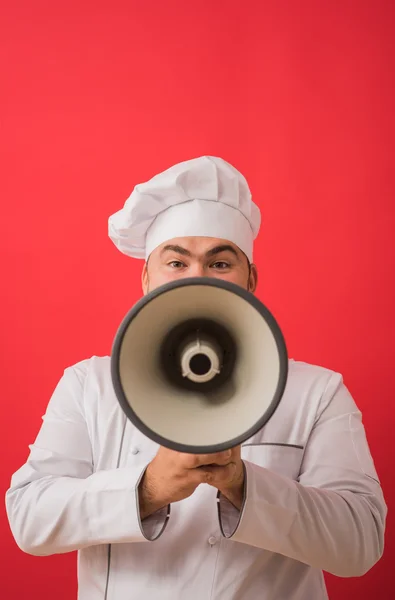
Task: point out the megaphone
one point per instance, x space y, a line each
199 365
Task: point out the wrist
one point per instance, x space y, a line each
235 495
149 499
235 492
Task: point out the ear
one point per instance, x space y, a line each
253 278
145 279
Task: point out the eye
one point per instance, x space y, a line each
176 264
221 264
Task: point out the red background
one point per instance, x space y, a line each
98 96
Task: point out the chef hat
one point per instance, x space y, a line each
204 196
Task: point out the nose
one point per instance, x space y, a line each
197 270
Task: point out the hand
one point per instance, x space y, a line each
172 476
233 488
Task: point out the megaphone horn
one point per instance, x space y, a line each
199 365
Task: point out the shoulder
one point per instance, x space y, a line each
302 373
309 389
317 386
312 385
92 376
95 366
89 383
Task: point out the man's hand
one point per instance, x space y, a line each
233 489
172 476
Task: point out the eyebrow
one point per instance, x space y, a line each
210 253
222 248
177 249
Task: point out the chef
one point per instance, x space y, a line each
299 498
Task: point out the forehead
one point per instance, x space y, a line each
197 245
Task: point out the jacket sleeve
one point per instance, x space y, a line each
56 503
333 517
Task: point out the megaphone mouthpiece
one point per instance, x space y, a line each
201 358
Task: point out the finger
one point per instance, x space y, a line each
217 476
236 453
219 458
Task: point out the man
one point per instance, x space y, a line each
301 497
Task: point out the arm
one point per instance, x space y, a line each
333 518
56 502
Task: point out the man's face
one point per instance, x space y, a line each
198 257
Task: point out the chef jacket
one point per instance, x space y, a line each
313 500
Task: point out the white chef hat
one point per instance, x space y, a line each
205 196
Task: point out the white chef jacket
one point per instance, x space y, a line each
313 501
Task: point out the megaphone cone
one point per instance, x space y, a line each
199 365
